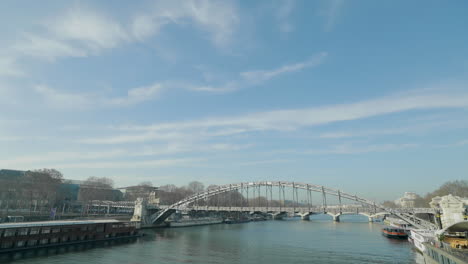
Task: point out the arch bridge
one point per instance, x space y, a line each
259 196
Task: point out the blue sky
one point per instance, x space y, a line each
369 97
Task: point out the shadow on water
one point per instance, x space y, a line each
58 250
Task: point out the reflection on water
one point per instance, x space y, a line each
353 240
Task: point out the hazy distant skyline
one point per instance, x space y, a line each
369 97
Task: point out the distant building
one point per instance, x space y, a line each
408 200
131 193
454 209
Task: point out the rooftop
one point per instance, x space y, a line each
57 223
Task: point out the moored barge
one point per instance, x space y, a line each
393 232
32 235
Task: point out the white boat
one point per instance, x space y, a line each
420 236
398 223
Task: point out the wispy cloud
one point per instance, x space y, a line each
261 162
81 31
418 127
459 143
69 100
256 77
55 157
9 68
137 95
62 99
218 18
78 32
346 149
283 13
129 164
283 120
88 28
110 156
332 13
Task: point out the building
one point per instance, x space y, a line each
454 209
408 200
132 193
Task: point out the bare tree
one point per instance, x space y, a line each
196 187
53 173
146 183
96 188
168 188
102 182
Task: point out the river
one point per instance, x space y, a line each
353 240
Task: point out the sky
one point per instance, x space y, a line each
369 97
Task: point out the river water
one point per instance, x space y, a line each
353 240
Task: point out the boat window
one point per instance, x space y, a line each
45 231
23 232
7 244
34 231
84 228
9 232
20 243
56 230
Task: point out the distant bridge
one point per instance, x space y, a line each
267 188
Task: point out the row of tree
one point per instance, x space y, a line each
43 189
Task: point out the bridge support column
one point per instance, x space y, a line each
371 219
279 216
140 211
336 218
305 216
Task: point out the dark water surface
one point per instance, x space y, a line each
292 241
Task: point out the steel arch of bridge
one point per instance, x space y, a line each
245 185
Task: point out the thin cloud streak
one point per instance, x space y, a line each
129 164
257 77
68 100
78 157
286 120
417 128
265 75
332 14
348 149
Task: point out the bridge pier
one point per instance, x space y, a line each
305 216
279 216
336 218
